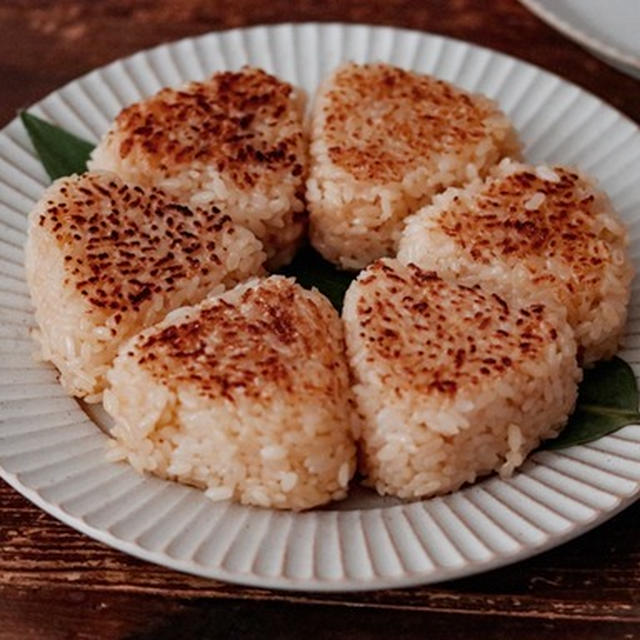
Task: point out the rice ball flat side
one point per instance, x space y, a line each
235 141
533 232
245 395
384 141
451 382
104 259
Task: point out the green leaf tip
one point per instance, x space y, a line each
607 401
60 152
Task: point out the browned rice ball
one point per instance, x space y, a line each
235 141
384 141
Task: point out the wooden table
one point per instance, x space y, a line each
56 583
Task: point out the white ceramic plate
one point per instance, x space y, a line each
53 453
611 28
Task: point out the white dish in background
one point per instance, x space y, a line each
610 29
52 453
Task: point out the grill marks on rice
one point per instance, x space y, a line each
235 141
245 395
451 382
244 347
384 141
535 232
382 122
523 215
123 244
106 259
437 336
232 121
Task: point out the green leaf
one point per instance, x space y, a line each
311 270
607 401
60 152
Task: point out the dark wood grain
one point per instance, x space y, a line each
48 571
56 583
47 43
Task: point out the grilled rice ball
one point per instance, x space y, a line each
245 395
451 382
538 233
235 141
384 141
